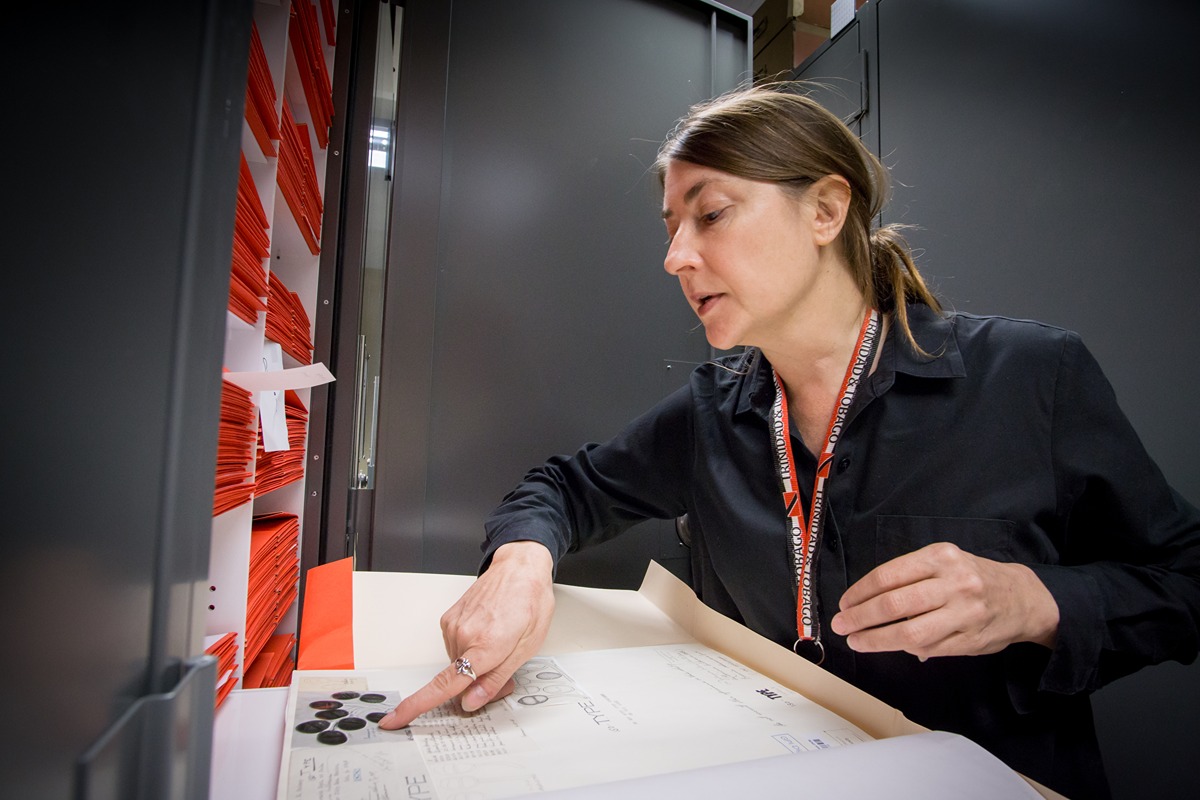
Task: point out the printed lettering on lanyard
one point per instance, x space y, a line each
804 537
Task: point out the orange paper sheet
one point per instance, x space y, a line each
327 626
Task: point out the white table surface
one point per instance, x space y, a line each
248 744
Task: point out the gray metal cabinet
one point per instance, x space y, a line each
121 135
1046 154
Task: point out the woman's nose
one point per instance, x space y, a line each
681 255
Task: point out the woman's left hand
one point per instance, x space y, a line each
943 601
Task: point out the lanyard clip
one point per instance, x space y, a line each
810 649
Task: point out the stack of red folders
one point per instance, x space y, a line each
287 321
248 276
274 664
298 179
224 647
274 576
281 467
305 36
260 97
236 434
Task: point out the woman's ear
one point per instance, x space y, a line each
831 197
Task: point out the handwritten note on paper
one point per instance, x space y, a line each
362 773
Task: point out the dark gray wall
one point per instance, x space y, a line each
1047 152
528 311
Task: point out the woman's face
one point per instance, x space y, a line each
743 251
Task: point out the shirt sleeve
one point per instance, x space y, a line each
1128 582
596 493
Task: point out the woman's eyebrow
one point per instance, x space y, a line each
690 194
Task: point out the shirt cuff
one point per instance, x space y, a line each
1074 664
495 541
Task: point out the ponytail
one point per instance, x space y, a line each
896 280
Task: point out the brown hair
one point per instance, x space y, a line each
774 133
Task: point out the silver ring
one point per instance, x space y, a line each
463 667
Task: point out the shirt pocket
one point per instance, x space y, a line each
987 538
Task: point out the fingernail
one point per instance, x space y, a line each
383 723
474 699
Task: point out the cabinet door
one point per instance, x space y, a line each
121 135
527 309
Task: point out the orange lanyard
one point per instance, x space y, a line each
804 537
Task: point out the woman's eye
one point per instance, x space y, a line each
712 216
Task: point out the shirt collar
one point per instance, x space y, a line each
934 333
757 388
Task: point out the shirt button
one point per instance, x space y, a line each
843 465
832 540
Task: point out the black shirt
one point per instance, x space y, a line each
1008 442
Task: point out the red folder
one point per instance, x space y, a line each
329 18
327 628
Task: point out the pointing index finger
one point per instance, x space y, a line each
446 685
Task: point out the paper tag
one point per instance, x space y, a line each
304 377
271 412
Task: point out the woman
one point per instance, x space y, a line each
948 511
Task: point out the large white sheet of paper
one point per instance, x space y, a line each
659 667
920 766
576 719
395 624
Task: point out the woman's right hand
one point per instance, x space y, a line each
497 625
